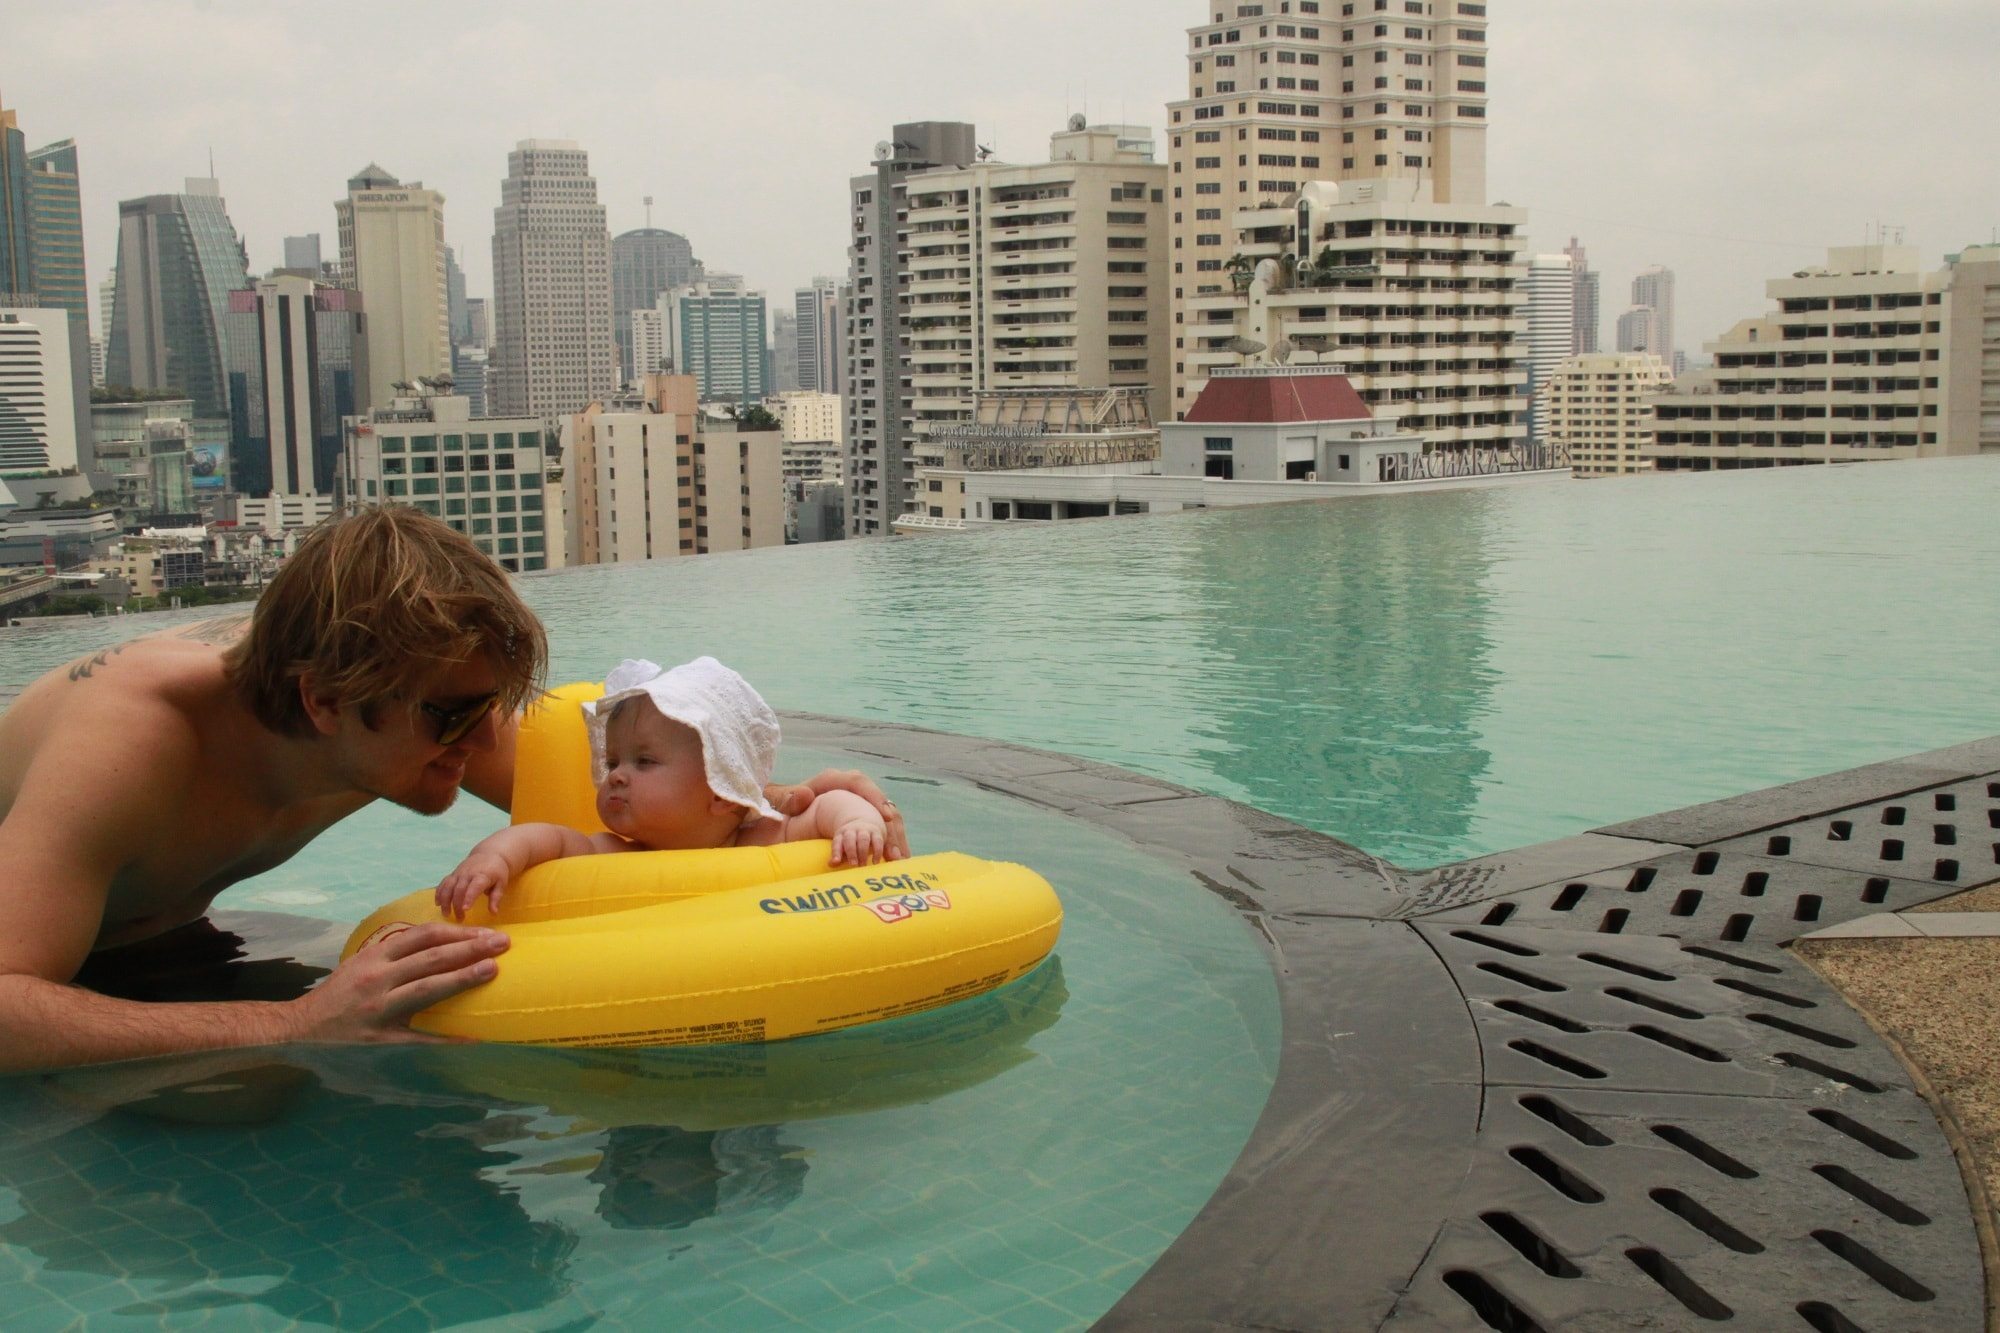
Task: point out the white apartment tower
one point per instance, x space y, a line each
1864 358
1551 328
392 251
1598 406
1280 94
38 426
553 352
880 463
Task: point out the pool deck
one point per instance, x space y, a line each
1725 1063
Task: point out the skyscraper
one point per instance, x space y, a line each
297 361
1277 100
784 351
178 259
817 350
456 318
1551 329
55 231
1639 331
392 252
1654 288
554 353
17 273
1588 313
644 263
881 474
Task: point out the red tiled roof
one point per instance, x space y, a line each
1276 398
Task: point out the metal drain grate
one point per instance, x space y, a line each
1598 1210
1946 836
1569 1010
1726 894
1678 1135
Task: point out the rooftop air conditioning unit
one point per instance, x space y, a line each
1312 476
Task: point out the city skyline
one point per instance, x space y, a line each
1739 186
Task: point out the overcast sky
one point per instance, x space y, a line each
1732 140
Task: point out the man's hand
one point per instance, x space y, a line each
373 995
794 800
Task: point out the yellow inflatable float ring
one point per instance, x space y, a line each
738 944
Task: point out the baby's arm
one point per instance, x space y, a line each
856 827
504 857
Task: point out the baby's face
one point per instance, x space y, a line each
655 792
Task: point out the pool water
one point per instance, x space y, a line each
1014 1161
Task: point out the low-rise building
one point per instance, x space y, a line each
650 474
1864 359
485 476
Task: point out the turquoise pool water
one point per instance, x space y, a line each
1012 1162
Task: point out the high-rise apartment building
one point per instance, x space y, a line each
1864 358
38 426
1639 331
691 483
880 412
478 324
485 476
1598 407
1551 328
1037 276
1007 275
718 333
554 353
1653 289
392 251
1277 99
1421 303
178 259
297 363
1588 312
645 262
816 351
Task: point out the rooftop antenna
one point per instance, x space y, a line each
649 212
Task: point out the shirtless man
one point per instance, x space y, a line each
387 660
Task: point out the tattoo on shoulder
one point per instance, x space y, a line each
222 630
83 667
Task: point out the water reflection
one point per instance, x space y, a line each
1352 649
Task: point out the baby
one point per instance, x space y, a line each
681 759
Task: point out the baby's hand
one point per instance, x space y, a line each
859 842
481 873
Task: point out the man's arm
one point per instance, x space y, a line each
83 810
794 800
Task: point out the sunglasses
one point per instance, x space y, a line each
456 723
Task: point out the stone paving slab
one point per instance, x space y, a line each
1740 815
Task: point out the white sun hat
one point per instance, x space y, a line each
738 730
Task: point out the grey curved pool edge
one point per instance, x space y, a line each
1575 1085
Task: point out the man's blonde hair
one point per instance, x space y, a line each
376 604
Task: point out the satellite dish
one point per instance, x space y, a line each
1078 122
884 150
1283 351
1245 347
